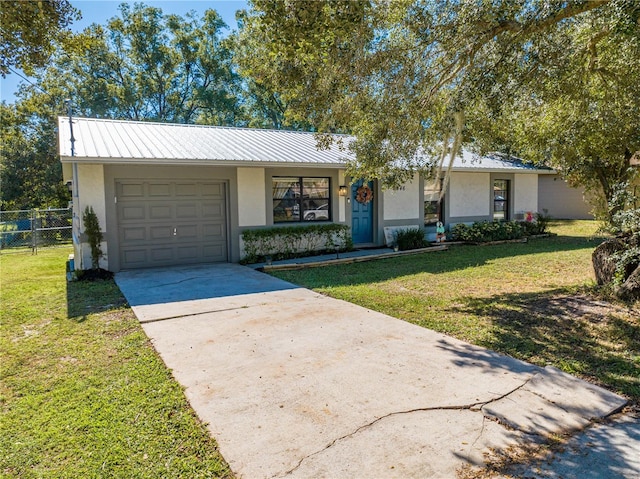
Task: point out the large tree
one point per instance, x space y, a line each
144 65
30 30
407 77
30 169
263 103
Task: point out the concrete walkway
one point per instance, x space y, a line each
298 385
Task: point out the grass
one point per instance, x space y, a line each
82 392
535 301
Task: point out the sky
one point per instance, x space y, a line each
99 11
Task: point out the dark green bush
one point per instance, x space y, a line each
485 231
94 235
537 227
294 241
412 238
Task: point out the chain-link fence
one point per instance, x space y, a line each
34 228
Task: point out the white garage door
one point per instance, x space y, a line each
164 222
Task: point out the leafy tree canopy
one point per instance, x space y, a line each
533 77
141 65
144 65
29 31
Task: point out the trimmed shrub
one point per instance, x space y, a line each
294 241
485 231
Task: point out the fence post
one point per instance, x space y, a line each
34 232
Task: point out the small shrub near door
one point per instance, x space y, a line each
412 238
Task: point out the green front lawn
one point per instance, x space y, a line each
83 393
535 301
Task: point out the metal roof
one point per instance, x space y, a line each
494 162
117 141
112 140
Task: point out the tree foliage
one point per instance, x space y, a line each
144 65
30 168
553 80
30 31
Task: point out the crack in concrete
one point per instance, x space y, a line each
475 407
180 316
190 278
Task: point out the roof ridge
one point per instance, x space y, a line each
196 125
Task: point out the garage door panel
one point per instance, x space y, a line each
171 222
161 232
213 209
186 189
131 190
134 233
161 212
132 212
188 253
187 210
213 231
161 255
212 190
187 232
135 257
214 252
159 189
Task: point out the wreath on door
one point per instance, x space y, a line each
364 194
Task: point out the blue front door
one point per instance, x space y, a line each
361 215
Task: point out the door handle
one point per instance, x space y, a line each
175 231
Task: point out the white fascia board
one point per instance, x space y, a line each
503 170
192 162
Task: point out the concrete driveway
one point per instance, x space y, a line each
295 384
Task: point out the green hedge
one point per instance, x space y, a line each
294 241
485 231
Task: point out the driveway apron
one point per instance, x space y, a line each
295 384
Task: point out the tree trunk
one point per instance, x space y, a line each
603 265
630 289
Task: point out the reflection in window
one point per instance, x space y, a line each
301 199
501 200
433 204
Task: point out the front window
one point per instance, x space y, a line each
501 200
433 204
301 199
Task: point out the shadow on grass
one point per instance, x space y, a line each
457 257
582 336
90 297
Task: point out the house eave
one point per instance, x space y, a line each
198 162
505 170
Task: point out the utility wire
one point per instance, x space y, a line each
27 80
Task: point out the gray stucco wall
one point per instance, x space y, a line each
560 200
